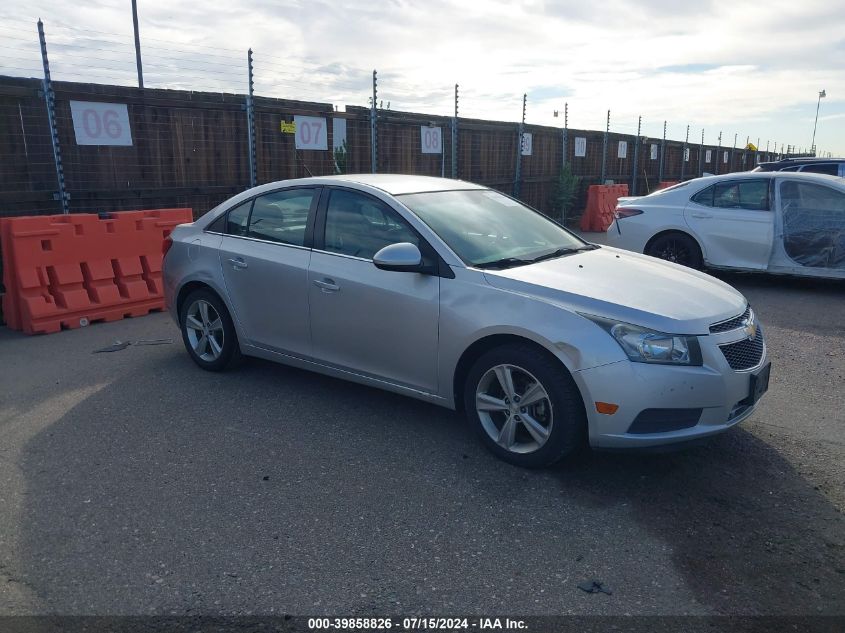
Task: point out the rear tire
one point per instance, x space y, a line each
525 406
678 248
208 332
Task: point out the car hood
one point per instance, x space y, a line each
628 287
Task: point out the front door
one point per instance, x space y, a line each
378 323
812 227
733 221
264 256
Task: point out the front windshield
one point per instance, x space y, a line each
488 229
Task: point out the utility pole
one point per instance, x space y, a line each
822 94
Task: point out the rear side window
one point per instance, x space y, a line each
747 194
236 219
705 196
281 216
218 226
823 168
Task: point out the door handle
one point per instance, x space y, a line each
238 263
702 215
327 285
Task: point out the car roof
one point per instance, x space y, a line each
393 184
756 175
793 162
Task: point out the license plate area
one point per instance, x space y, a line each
759 384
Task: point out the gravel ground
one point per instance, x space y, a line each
134 483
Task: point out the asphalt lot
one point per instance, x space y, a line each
134 483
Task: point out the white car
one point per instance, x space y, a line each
778 222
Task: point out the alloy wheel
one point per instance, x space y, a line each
514 408
204 328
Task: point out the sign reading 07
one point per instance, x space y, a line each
311 132
100 123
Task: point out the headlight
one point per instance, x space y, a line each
647 346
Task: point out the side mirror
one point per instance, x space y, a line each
401 257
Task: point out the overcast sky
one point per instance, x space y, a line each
748 68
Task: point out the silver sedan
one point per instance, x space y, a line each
459 295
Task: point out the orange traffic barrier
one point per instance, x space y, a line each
65 271
601 203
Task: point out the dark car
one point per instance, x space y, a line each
830 166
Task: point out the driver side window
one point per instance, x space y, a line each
360 225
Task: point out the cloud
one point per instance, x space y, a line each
737 67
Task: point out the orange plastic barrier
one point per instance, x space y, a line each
65 271
601 202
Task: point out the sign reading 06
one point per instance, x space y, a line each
100 123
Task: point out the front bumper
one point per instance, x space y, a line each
719 392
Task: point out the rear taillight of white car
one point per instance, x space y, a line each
166 244
625 212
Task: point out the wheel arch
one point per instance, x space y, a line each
480 347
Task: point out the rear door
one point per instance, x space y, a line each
264 256
734 222
813 225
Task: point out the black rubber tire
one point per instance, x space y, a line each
685 249
570 421
231 353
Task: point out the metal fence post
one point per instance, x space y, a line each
250 122
373 126
718 152
733 151
684 155
518 173
636 156
662 154
50 100
137 43
455 137
701 155
565 134
604 150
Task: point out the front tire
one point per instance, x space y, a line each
525 406
208 332
678 248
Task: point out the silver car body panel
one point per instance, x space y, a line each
407 332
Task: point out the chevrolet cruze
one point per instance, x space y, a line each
459 295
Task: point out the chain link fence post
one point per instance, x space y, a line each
662 155
636 156
373 125
250 122
455 137
521 130
684 155
604 150
50 101
701 155
565 141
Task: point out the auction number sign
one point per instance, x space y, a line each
100 123
653 151
708 155
580 146
622 151
527 144
431 140
311 132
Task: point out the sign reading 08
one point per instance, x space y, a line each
311 132
431 139
100 123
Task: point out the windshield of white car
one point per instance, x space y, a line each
487 229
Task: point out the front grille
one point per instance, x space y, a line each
731 324
744 354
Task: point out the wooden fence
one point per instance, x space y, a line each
191 149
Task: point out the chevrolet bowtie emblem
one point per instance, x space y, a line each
750 326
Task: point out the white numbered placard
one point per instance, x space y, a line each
654 151
725 157
686 154
708 155
622 152
580 146
100 123
527 143
310 132
431 139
